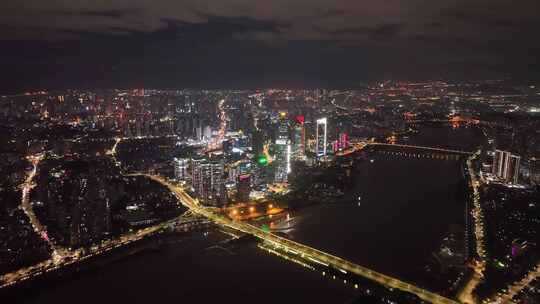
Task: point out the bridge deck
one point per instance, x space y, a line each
423 148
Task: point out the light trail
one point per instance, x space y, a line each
112 151
217 143
58 254
479 266
49 265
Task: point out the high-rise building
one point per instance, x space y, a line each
512 170
335 146
283 150
320 137
233 173
299 138
208 181
343 141
243 188
506 166
207 133
180 169
498 162
535 171
127 130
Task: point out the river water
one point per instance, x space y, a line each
408 205
191 269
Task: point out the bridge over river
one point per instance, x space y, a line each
301 249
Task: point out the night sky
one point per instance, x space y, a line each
255 43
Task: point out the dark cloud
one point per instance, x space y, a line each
435 24
245 42
493 21
382 32
330 13
102 13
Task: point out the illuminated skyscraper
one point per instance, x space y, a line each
343 141
335 146
320 139
283 149
512 170
180 169
208 181
506 166
299 138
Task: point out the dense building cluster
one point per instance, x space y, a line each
84 202
77 164
512 224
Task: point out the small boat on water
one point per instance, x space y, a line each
359 200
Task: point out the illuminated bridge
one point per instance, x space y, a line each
302 250
440 150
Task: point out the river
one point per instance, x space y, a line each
190 269
408 205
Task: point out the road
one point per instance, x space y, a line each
71 257
479 265
58 254
218 141
303 250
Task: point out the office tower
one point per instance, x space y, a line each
512 170
320 137
498 161
283 149
299 138
506 166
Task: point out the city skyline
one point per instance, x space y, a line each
336 182
283 151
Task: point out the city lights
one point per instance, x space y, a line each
100 172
